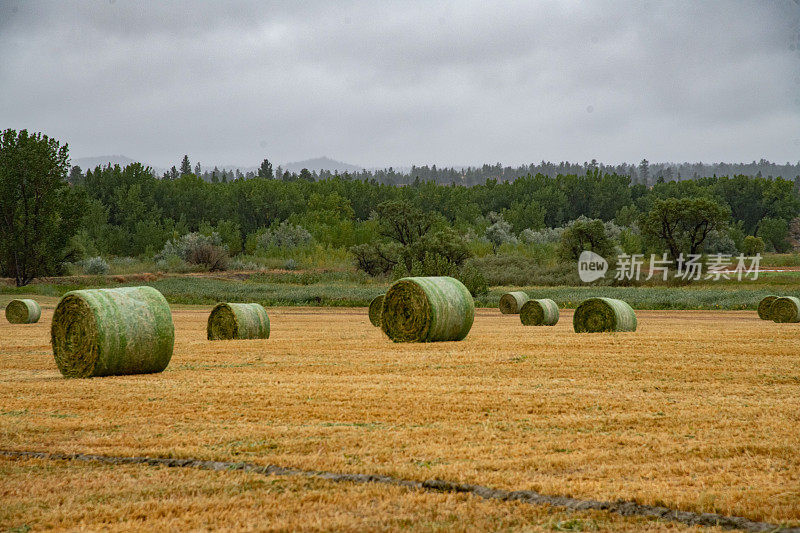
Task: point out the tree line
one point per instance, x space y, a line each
52 213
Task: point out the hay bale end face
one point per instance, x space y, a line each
764 311
596 315
542 312
108 332
238 321
427 309
511 302
785 309
23 311
376 310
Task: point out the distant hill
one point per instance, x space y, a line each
320 163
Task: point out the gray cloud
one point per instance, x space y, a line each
371 83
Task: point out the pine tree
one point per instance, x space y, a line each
186 167
265 171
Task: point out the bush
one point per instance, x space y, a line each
210 256
196 249
473 280
753 245
95 266
542 236
775 234
290 264
285 235
719 242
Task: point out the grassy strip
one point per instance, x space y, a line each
208 291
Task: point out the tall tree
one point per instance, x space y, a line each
197 169
644 171
39 211
682 224
186 167
265 170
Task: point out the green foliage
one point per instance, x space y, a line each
95 266
585 234
39 211
775 233
499 232
283 235
683 224
752 245
195 248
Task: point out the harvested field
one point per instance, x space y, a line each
697 410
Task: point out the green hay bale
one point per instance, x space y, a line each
376 310
603 314
764 307
427 309
108 332
23 311
512 302
785 309
542 312
238 321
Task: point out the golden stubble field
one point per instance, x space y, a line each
697 410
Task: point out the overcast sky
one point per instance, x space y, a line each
379 83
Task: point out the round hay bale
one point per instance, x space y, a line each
785 309
23 311
764 307
238 321
108 332
603 314
427 309
542 312
376 310
512 302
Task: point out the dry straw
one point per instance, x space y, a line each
238 321
23 311
785 309
542 312
511 302
376 310
106 332
764 311
595 315
427 309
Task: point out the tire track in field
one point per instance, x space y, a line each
620 507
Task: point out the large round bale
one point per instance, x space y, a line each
603 314
764 307
512 302
542 312
107 332
23 311
785 309
427 309
238 321
376 310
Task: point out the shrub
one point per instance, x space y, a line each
285 235
95 266
775 233
719 242
500 232
753 245
197 249
290 264
473 280
542 236
210 256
